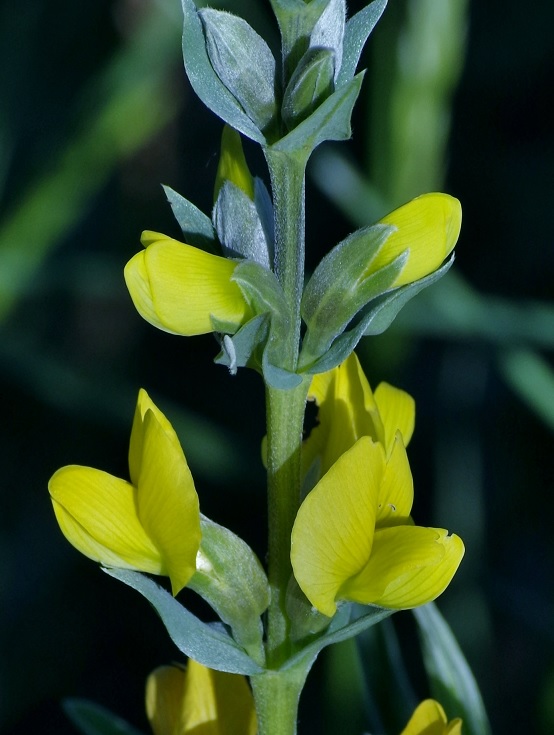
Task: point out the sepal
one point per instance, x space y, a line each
204 80
237 350
341 285
330 121
231 579
348 622
196 227
243 62
311 83
373 319
263 291
306 621
209 644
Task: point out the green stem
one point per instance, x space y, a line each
277 694
276 691
287 183
285 416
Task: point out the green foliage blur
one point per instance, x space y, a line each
95 114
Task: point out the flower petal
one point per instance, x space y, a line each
164 699
409 566
232 164
167 502
97 514
347 411
397 411
396 493
221 702
429 718
199 700
144 404
333 531
428 227
177 287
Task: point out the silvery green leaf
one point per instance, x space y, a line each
230 578
310 84
205 82
244 63
237 351
451 679
239 227
196 227
210 645
328 32
92 719
330 121
340 628
356 33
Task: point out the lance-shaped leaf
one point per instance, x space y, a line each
196 227
179 288
210 645
198 700
452 681
151 523
205 82
310 84
231 579
353 538
244 63
92 719
356 33
328 32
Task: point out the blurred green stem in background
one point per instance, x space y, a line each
123 109
418 55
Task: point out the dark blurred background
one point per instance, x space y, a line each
95 113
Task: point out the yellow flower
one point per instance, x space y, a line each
428 227
199 701
348 409
353 538
178 288
152 523
429 718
